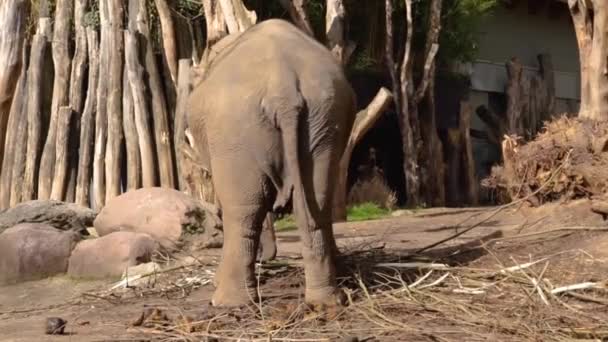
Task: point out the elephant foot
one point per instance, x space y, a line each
232 296
327 299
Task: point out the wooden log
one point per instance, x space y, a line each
548 75
144 138
19 152
168 37
40 49
61 85
133 162
101 120
77 92
238 17
115 137
215 22
364 121
14 141
466 111
335 21
582 19
298 15
61 153
87 122
13 16
183 90
514 96
159 111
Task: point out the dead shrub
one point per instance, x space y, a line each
373 189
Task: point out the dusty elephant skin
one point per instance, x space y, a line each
31 251
165 214
272 114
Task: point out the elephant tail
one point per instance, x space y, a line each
289 126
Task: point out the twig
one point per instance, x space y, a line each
581 286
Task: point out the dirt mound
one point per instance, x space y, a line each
568 160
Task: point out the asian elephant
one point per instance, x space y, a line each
273 112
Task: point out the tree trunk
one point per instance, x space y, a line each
61 153
40 49
135 73
13 16
547 73
87 126
158 105
298 14
183 91
101 120
62 63
133 168
168 36
466 111
115 137
454 177
15 136
597 108
214 19
335 28
77 92
236 15
364 121
514 97
583 27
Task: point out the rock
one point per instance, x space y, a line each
55 326
110 255
64 216
30 251
167 215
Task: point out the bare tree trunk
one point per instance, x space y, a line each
169 37
61 153
77 93
14 142
390 53
114 152
87 127
61 86
183 91
583 27
101 120
298 14
216 24
364 121
597 108
40 49
238 18
158 106
13 16
466 111
135 73
335 28
132 145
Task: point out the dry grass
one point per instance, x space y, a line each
373 190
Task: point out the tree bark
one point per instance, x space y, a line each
40 49
183 91
466 111
168 36
133 168
61 154
14 138
135 74
61 86
77 92
101 120
13 16
87 127
115 137
158 105
335 28
364 121
298 14
236 15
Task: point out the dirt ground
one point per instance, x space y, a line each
468 294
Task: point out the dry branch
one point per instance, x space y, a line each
238 17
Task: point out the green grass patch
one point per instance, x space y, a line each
360 212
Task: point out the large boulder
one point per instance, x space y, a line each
32 251
110 255
64 216
169 216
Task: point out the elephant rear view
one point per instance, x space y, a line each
273 112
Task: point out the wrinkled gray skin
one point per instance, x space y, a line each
274 109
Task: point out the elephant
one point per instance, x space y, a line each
273 112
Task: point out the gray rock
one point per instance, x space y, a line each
31 251
64 216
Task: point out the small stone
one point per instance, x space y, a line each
55 326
